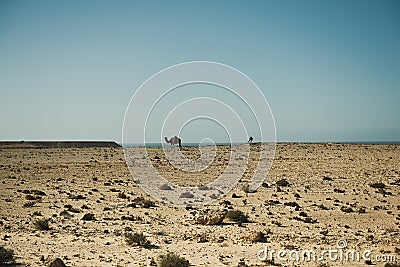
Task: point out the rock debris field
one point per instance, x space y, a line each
82 207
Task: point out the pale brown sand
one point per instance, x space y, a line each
100 176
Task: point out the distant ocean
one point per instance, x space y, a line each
152 145
159 145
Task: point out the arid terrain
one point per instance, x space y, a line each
313 196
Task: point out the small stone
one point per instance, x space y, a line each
57 263
203 187
265 185
361 210
303 214
186 195
377 185
88 217
346 209
213 196
336 190
165 187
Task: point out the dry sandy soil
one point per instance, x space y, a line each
332 192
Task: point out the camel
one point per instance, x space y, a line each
174 140
250 139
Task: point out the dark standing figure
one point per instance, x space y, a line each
250 139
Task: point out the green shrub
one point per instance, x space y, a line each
148 204
137 239
237 216
6 255
172 260
42 224
141 201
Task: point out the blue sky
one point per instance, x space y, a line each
329 69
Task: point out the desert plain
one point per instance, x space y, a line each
315 197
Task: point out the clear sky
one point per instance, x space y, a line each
329 69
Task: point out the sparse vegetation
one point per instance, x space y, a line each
137 239
237 216
148 204
122 195
172 260
246 188
144 203
6 255
391 264
29 204
377 185
42 224
282 182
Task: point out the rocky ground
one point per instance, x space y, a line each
82 205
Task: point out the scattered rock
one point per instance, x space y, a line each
38 192
70 208
66 214
292 204
273 202
186 195
30 197
377 185
29 204
277 223
214 196
57 263
77 197
202 238
336 190
203 187
88 217
361 210
323 207
282 182
346 209
122 195
383 191
303 214
397 182
165 187
324 232
309 220
225 203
